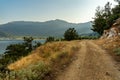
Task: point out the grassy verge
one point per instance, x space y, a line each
53 57
116 52
32 72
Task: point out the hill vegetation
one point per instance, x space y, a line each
15 51
105 17
48 60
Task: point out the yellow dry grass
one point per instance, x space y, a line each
109 43
25 61
44 53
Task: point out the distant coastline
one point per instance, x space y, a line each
18 38
4 42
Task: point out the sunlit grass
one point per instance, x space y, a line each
55 55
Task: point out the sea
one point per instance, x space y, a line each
5 43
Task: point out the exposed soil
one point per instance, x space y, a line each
92 63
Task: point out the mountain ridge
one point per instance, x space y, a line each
54 28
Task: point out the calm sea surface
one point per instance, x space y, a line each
5 43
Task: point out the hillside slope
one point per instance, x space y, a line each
44 53
88 62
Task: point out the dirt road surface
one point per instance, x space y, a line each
92 63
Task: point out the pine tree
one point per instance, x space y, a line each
70 34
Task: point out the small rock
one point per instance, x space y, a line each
107 73
118 69
64 66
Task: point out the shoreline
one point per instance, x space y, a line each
6 39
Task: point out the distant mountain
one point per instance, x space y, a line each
3 34
90 34
44 29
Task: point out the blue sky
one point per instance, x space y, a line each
75 11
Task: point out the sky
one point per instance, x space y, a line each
74 11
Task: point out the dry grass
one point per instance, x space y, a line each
110 45
25 61
44 53
56 56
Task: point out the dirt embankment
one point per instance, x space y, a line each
92 63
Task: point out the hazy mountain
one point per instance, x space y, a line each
3 34
43 29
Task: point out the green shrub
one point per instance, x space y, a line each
71 34
33 72
15 51
117 51
50 39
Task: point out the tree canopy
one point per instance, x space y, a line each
70 34
105 17
16 51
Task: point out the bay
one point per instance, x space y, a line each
5 43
